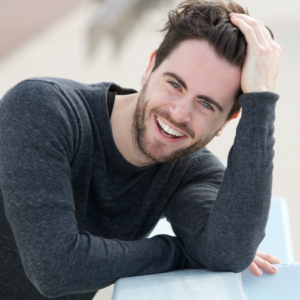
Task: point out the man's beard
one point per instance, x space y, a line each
154 152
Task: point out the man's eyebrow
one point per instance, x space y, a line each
201 97
182 83
211 101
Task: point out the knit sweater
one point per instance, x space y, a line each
75 215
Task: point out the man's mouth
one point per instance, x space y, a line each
167 131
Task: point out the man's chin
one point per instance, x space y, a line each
163 156
145 159
155 156
160 156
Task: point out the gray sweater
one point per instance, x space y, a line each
75 215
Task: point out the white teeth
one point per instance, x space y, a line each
167 129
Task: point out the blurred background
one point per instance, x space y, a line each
112 40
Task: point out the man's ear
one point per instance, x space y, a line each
233 117
222 128
149 69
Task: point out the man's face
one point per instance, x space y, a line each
185 102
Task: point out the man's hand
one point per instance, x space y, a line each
262 55
264 260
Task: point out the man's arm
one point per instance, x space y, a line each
223 227
227 239
36 149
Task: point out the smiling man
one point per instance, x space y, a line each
87 171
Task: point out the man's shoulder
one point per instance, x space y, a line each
61 83
46 100
38 92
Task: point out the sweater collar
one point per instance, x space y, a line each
105 130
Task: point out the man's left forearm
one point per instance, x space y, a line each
228 238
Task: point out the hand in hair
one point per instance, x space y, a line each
264 261
262 58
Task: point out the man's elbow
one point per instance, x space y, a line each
230 264
49 291
225 262
235 267
47 284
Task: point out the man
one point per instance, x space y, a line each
86 171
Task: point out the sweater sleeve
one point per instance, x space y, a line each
36 149
221 222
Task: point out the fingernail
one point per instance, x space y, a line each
260 272
274 268
277 258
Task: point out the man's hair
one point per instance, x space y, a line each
206 20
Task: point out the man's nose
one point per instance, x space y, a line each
181 110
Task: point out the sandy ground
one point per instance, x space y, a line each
60 51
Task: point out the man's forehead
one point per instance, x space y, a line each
198 52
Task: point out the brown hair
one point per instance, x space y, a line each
206 20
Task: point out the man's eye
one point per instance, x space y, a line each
208 106
176 86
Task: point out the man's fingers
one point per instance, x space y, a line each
262 57
257 26
263 261
268 34
268 257
253 22
265 265
247 30
254 269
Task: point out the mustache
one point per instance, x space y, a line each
184 126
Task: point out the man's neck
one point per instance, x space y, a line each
121 123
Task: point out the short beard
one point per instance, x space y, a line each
138 132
